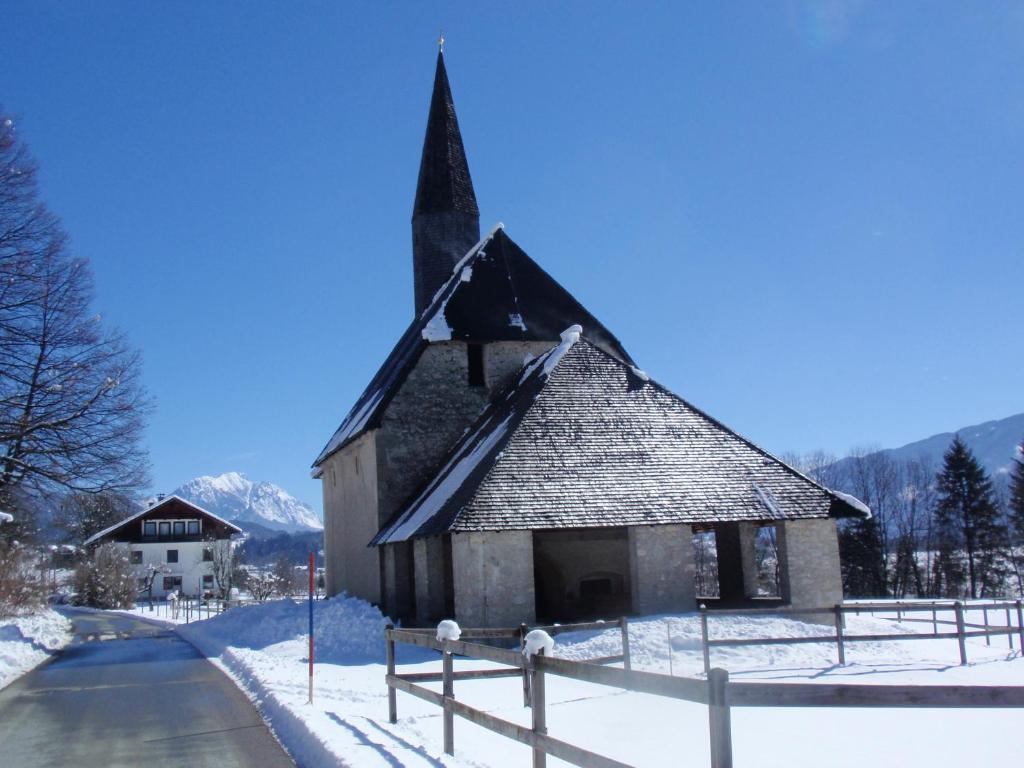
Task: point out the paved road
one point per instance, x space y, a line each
128 693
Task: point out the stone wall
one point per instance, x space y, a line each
427 415
809 563
504 359
661 564
432 573
493 577
349 485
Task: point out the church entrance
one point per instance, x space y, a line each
581 574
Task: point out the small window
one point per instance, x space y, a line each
136 557
165 529
179 527
475 362
207 579
140 583
193 527
172 582
207 555
172 555
149 529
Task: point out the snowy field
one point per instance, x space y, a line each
27 641
264 648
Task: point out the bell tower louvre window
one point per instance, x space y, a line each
475 364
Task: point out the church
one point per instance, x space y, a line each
509 462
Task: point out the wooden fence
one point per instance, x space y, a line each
717 692
963 628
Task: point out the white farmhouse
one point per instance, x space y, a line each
176 538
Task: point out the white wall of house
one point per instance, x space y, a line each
190 567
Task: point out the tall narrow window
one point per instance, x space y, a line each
475 362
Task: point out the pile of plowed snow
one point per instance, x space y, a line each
26 641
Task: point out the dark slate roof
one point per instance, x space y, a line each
584 440
496 293
444 184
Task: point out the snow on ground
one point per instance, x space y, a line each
264 648
27 641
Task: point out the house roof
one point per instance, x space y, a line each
444 184
166 501
583 439
496 293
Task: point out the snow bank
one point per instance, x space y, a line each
27 641
347 630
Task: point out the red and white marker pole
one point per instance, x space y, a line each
312 591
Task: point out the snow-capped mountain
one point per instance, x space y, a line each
235 497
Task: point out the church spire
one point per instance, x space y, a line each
445 217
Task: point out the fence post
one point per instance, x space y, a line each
839 635
935 622
526 669
540 723
392 693
1009 634
988 637
1020 627
719 722
704 639
448 691
958 607
624 625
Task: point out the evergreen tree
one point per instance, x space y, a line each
967 519
862 559
1017 495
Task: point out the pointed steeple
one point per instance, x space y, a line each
445 217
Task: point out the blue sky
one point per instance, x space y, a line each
804 218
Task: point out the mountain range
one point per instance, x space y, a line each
994 444
257 507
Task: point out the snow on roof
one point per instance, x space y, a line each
853 501
162 502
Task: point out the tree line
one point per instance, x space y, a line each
935 531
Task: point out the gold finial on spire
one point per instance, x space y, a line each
440 41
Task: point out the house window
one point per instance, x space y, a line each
172 555
475 363
207 554
136 557
172 582
207 580
193 527
149 529
179 527
165 529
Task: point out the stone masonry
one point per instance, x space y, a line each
661 565
809 563
493 577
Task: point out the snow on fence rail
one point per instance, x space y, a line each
840 638
717 692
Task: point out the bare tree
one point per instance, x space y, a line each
80 515
71 403
107 580
21 587
149 580
260 583
224 563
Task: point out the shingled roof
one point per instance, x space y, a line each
583 439
496 293
444 183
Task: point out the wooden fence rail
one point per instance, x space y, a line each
717 691
963 629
